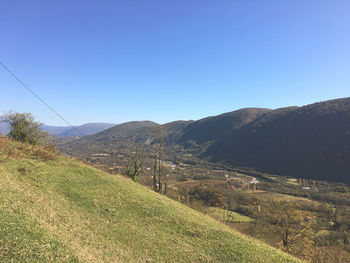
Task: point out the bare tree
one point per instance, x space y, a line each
228 214
160 184
136 167
155 172
286 224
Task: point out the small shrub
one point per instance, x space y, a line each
44 155
49 144
209 196
22 171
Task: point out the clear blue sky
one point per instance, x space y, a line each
115 61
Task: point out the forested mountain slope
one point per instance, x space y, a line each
312 141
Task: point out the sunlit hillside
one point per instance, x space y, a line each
56 209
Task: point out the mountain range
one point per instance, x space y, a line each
312 141
63 131
82 130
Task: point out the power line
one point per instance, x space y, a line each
39 98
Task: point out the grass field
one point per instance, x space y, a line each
56 209
292 181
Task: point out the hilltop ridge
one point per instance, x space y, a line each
305 142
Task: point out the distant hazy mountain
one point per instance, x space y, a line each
55 130
4 126
85 129
310 142
64 131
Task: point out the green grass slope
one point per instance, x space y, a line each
55 209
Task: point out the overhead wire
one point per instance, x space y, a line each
40 99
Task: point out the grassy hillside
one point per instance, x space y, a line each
55 209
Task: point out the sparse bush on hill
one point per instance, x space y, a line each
209 196
25 128
44 154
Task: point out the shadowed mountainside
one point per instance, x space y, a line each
211 129
312 142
